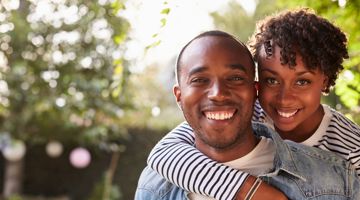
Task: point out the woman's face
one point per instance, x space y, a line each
291 97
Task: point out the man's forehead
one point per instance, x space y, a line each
237 53
206 44
214 40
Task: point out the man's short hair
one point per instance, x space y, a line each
204 34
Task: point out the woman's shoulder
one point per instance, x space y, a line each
342 123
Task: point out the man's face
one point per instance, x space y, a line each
216 91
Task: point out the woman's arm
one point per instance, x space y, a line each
176 159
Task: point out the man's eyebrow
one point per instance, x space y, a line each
201 68
197 69
238 66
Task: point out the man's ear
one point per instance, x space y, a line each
177 94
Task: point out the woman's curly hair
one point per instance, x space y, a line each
320 43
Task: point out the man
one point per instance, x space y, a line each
216 92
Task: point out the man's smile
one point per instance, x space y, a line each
220 114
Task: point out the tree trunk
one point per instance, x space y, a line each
13 177
110 174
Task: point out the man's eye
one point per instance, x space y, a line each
236 78
303 82
199 80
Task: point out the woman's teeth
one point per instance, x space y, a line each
287 114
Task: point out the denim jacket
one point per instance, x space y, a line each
301 172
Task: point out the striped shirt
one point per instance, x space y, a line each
176 158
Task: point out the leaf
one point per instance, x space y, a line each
117 5
154 44
119 39
165 11
119 69
163 22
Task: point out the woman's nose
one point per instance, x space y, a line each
285 96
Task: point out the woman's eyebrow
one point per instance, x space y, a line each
237 66
297 73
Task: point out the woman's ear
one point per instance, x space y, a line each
325 85
177 94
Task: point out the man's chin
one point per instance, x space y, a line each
216 137
219 143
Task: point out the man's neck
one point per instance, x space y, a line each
242 147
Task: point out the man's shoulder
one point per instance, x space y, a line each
153 186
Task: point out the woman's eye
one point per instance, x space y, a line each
271 81
303 82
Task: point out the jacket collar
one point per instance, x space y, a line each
283 160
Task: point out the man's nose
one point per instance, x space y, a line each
218 91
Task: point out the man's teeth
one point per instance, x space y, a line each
287 114
218 115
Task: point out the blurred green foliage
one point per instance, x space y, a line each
98 191
64 76
238 21
62 73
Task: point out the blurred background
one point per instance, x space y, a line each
86 86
